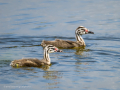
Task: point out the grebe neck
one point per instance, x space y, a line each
46 56
80 39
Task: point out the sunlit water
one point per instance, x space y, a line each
25 23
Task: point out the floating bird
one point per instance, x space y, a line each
36 62
70 44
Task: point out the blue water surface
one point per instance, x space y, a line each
25 23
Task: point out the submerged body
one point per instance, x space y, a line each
34 62
70 44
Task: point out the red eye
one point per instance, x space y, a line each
56 49
86 30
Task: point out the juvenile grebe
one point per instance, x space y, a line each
70 44
36 62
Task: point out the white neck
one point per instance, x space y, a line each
80 39
46 57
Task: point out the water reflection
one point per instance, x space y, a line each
31 73
54 76
79 50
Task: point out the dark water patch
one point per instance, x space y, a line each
87 61
3 3
11 38
44 36
28 9
19 41
116 67
107 52
77 21
10 47
63 71
89 78
43 25
31 46
109 38
28 45
30 37
53 63
20 15
66 56
24 23
105 70
25 18
7 36
56 37
103 53
90 44
73 61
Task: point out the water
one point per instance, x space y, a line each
25 23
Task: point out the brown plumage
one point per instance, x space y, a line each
70 44
62 43
36 62
30 62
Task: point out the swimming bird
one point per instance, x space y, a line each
36 62
70 44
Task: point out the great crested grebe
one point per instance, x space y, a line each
70 44
36 62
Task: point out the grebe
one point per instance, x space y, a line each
36 62
70 44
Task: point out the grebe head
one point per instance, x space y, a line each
82 30
51 49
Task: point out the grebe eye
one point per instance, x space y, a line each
86 30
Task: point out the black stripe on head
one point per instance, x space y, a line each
50 46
